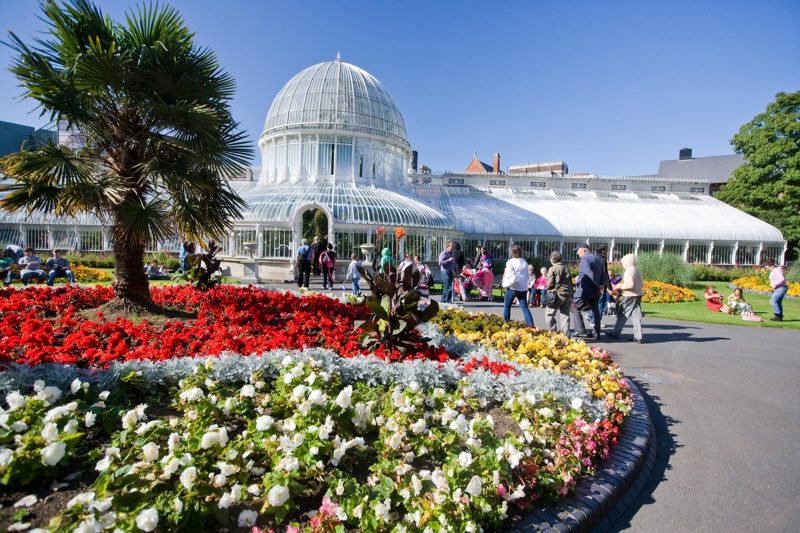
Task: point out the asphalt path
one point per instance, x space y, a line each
725 402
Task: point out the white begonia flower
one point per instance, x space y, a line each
416 484
419 427
448 415
102 506
53 453
475 486
312 377
89 419
50 432
546 412
290 464
530 397
19 526
19 426
15 400
326 429
345 397
316 397
402 469
288 425
413 386
382 509
103 464
177 504
227 469
509 453
228 407
247 518
278 495
71 426
192 395
104 395
439 481
254 489
188 477
173 440
83 499
147 520
465 459
304 408
38 385
147 426
518 493
75 386
49 394
26 501
247 391
171 467
150 451
107 520
460 424
220 480
576 403
395 441
525 424
6 456
286 361
214 436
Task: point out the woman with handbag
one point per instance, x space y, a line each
559 285
515 282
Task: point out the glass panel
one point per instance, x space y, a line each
415 245
622 249
674 248
91 240
697 253
277 243
348 242
721 254
10 235
772 253
746 254
64 239
548 247
649 247
37 238
241 236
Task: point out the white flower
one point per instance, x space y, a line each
102 505
220 480
214 435
290 464
316 397
546 412
173 441
465 459
510 454
192 395
248 391
524 424
278 495
345 397
147 520
104 395
38 385
358 511
226 501
188 477
576 403
84 498
71 426
286 361
75 386
419 427
19 526
50 432
19 426
460 424
382 509
6 456
49 394
247 518
53 453
395 441
413 386
254 489
229 403
107 520
227 469
172 466
89 419
27 501
475 486
439 480
15 400
178 504
263 423
150 452
448 415
416 484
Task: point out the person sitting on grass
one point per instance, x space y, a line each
59 268
154 271
31 267
713 298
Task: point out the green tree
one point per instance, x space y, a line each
767 185
153 109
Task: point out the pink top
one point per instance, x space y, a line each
776 278
541 283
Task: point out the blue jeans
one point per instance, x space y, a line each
777 300
51 277
447 287
520 296
356 286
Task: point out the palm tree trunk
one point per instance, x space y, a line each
130 282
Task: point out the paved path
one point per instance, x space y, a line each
725 401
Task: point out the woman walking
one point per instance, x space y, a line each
779 289
559 280
630 302
515 282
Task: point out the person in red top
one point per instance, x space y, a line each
713 298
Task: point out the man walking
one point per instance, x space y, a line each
303 264
447 264
587 291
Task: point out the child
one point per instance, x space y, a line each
540 286
352 272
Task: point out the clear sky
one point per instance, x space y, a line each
608 87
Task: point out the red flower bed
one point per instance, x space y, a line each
44 325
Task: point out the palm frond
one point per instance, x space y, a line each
137 222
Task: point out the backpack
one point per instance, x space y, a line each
326 260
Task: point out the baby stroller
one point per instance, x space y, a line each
483 280
464 284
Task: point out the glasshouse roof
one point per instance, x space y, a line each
336 95
349 203
581 214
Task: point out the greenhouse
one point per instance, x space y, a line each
335 142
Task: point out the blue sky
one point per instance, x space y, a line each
608 87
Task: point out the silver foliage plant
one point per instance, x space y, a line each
236 368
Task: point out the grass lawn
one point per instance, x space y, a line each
697 312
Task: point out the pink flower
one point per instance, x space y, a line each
501 490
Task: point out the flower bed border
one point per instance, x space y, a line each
600 500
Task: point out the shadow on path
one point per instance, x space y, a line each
666 445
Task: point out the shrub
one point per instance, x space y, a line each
793 274
713 273
667 268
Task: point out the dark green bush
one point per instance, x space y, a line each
667 268
713 273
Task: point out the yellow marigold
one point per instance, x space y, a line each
84 274
758 284
659 292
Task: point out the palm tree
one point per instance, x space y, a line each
153 110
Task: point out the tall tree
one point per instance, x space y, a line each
767 185
153 110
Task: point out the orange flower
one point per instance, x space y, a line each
399 232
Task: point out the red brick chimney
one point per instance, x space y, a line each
496 166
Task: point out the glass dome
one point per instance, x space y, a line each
336 96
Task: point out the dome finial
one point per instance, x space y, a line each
338 56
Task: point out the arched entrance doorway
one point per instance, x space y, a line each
312 220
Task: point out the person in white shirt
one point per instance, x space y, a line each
515 282
31 267
352 273
631 289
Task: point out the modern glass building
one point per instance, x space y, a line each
334 140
